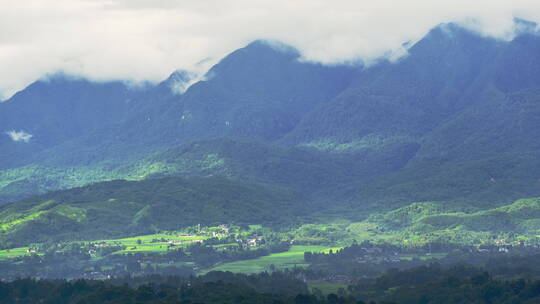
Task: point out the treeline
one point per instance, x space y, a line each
431 284
372 260
214 287
435 284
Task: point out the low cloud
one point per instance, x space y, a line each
145 40
19 136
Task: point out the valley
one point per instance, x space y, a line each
330 183
413 235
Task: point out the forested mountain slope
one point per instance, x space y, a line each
119 208
453 121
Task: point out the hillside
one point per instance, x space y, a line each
434 221
120 208
258 92
459 98
55 110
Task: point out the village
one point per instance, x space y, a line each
172 252
199 249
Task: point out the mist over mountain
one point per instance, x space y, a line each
457 113
55 110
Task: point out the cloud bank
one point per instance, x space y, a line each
145 40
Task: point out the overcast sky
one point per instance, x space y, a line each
148 39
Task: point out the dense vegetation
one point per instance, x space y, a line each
433 284
428 284
120 208
436 222
212 288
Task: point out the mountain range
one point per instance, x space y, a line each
454 121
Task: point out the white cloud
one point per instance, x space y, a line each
19 136
146 39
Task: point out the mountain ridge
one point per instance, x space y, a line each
439 124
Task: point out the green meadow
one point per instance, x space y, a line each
13 253
159 242
289 259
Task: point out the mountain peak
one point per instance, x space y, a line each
522 26
253 55
274 45
61 77
451 37
180 80
448 32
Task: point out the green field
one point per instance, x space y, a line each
13 253
292 258
159 242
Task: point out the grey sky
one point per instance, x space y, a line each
147 39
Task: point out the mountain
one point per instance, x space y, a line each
468 103
300 168
118 208
317 174
55 110
259 92
403 101
454 122
521 217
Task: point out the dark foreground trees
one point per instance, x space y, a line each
427 285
